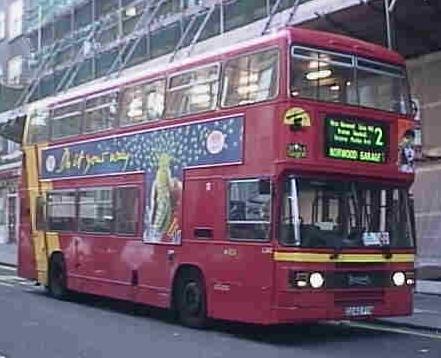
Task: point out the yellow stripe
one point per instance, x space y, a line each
315 257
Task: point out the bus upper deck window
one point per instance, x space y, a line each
348 78
192 91
66 120
143 102
323 75
251 78
100 112
38 129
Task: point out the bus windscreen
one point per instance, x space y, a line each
337 214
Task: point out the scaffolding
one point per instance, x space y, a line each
75 41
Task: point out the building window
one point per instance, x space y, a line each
249 208
3 146
2 25
15 68
61 214
15 16
126 210
143 103
13 147
96 210
188 4
193 91
3 195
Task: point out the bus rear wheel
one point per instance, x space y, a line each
191 300
57 278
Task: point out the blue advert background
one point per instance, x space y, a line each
162 154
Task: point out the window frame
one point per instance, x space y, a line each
29 135
95 189
75 219
341 64
227 210
66 104
2 25
16 60
138 211
255 52
355 60
115 123
218 65
76 229
17 5
365 185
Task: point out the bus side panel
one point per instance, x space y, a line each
238 274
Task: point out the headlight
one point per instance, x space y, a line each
399 278
316 280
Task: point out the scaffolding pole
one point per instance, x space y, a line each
293 12
201 28
389 7
183 37
273 11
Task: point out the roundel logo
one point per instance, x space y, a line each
50 163
215 142
297 115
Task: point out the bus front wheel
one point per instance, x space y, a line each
57 278
191 299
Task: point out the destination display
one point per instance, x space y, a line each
356 139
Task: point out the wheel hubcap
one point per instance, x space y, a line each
192 298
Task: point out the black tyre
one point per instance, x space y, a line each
57 278
191 300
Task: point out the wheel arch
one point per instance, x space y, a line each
53 255
181 270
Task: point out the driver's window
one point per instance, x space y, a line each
249 209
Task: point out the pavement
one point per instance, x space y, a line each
8 254
426 314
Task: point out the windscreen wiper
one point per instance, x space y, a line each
336 254
337 250
387 254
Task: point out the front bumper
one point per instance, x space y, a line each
309 305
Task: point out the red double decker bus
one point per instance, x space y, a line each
266 183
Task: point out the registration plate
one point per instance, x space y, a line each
358 311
